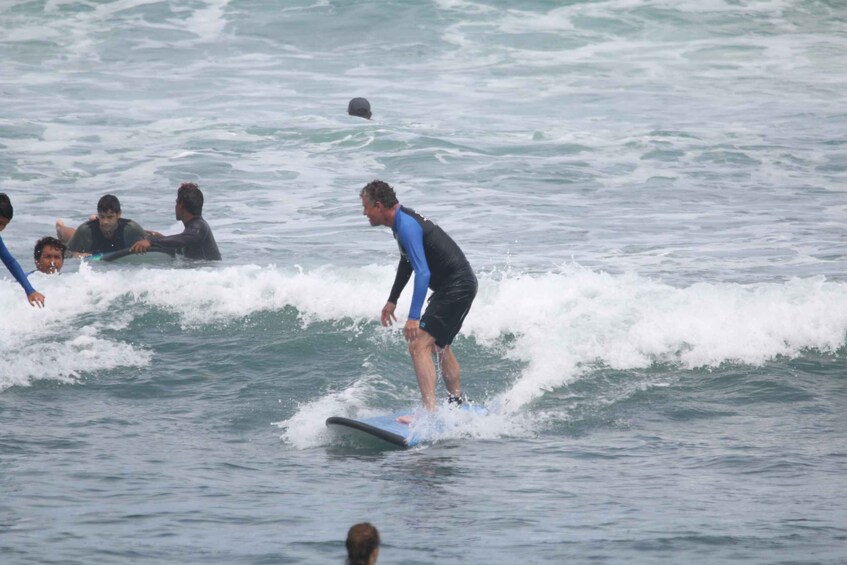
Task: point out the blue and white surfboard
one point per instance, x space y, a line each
389 429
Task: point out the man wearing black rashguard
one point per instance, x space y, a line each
196 241
106 232
438 263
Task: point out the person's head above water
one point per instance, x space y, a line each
378 191
109 203
362 544
49 255
108 214
6 210
190 198
359 107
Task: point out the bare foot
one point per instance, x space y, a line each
406 420
63 232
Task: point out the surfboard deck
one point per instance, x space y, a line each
386 429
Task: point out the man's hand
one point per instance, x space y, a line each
387 318
411 329
140 246
36 299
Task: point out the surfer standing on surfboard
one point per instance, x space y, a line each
437 263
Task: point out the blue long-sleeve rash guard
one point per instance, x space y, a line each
428 251
15 268
410 237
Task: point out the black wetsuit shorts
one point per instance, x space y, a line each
447 309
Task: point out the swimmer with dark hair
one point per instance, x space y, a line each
105 232
359 107
196 241
362 544
49 254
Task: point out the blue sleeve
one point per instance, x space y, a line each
410 236
15 268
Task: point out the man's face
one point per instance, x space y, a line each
4 221
51 260
178 209
374 212
108 222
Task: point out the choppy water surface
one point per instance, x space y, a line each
651 192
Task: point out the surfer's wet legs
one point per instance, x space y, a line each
449 370
421 349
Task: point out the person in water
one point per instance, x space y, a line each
49 255
359 107
362 544
437 263
108 231
34 297
196 241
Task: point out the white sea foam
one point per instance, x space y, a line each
559 324
209 22
49 343
562 323
573 320
306 428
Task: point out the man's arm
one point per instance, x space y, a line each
133 232
34 297
404 273
410 236
191 234
82 240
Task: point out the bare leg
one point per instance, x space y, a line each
450 370
63 232
421 349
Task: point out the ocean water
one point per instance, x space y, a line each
652 193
